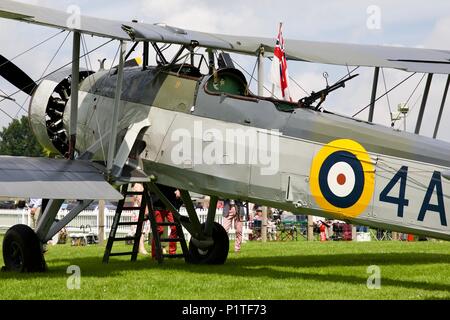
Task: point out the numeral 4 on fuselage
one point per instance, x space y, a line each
435 184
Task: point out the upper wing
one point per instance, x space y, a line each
22 177
61 20
407 59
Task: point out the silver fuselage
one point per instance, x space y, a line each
174 105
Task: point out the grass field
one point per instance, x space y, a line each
275 270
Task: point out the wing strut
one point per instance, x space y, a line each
424 103
159 54
441 110
145 57
74 93
115 119
374 93
261 72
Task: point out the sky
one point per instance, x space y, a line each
413 23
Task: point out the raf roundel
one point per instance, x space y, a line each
342 178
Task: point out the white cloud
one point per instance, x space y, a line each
411 23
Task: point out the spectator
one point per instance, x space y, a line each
323 226
233 212
137 187
35 211
256 224
206 202
161 214
258 214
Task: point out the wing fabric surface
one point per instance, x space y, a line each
23 177
407 59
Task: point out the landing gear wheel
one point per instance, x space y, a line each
216 254
22 250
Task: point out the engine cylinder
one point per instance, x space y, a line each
47 112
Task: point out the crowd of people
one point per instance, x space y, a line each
235 214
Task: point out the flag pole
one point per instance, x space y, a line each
261 72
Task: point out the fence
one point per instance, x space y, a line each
87 221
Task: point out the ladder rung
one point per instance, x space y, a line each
173 256
185 219
120 254
166 224
124 239
127 223
131 208
170 240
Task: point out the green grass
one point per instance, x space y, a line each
275 270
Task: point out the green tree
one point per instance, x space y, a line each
18 140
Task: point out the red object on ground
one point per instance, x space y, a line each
323 235
410 237
160 216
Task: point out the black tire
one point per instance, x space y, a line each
22 250
217 253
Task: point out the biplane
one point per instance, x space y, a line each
172 124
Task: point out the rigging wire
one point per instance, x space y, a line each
298 85
94 113
348 73
410 97
53 72
295 82
55 55
51 61
6 113
253 75
35 46
392 89
45 70
415 89
87 58
21 106
387 94
14 101
103 98
99 134
269 91
415 103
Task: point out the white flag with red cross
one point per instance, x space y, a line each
279 72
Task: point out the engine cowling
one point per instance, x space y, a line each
48 111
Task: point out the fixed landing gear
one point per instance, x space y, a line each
216 253
22 250
209 243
